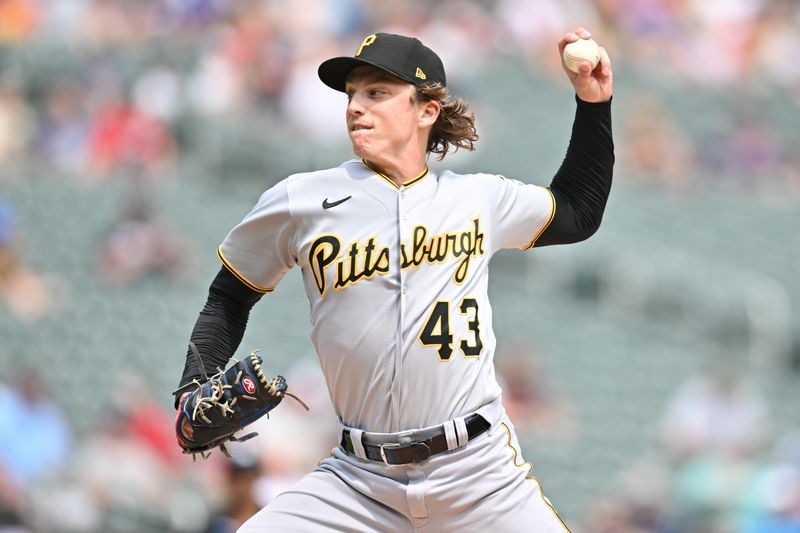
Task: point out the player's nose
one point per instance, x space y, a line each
354 107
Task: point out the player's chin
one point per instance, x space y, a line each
360 148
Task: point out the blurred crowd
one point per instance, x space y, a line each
148 91
100 91
718 464
93 88
126 473
28 295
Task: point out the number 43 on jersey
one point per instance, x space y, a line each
437 329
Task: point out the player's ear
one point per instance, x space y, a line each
428 113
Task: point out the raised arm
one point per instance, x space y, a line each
583 182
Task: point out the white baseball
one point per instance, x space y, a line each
581 50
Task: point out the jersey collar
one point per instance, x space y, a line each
405 185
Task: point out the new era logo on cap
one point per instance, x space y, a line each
405 57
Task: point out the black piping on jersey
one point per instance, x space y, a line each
384 176
239 275
582 184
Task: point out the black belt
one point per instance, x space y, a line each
393 453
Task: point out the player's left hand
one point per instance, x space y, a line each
591 85
210 414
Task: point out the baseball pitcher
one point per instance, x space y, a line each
395 259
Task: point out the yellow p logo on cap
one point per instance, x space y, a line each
368 40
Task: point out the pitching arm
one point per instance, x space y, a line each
583 182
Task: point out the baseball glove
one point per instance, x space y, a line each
219 406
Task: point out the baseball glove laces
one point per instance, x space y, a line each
212 409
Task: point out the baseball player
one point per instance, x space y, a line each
395 263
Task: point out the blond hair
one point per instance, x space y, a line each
455 125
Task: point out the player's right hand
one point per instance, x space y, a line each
590 85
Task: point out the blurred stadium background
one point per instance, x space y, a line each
653 371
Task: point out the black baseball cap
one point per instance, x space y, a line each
404 57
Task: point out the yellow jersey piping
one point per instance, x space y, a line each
407 184
238 275
530 467
546 224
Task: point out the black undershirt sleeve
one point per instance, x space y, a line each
583 182
220 327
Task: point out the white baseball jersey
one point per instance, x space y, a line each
397 281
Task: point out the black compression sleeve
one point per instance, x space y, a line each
582 184
220 326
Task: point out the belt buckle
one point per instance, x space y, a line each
393 445
416 445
